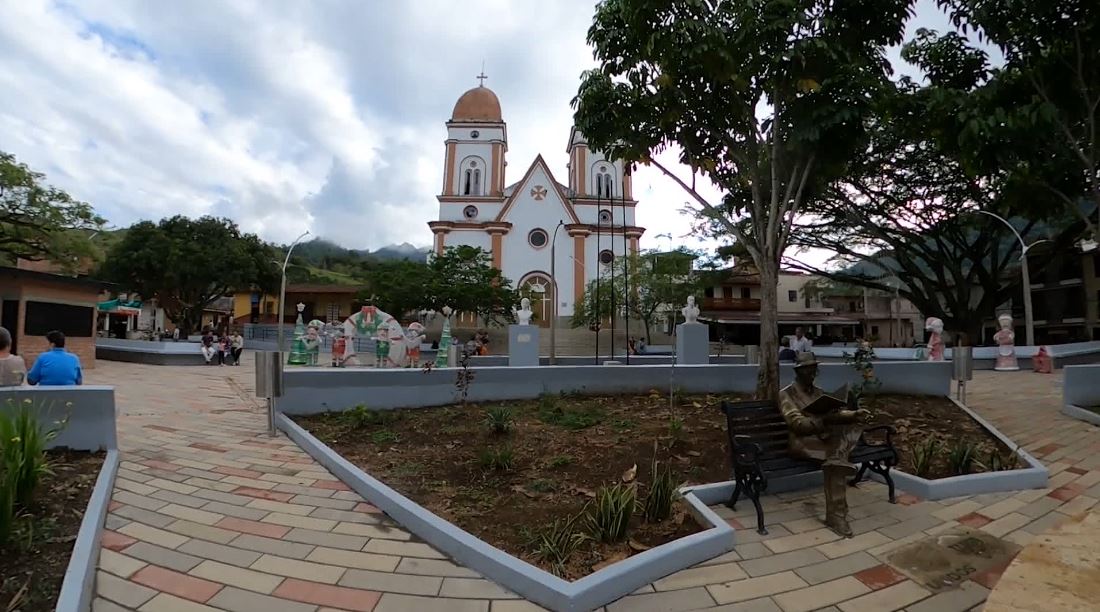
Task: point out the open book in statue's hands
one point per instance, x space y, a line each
829 402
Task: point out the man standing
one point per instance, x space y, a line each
800 343
827 436
56 366
238 346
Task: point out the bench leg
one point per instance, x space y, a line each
732 503
754 493
883 469
859 475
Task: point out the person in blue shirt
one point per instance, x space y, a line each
56 366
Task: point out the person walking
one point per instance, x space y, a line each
13 370
56 366
237 341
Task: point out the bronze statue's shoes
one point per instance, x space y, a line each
839 525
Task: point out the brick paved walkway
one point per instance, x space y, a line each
210 514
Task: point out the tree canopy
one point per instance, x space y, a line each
41 222
187 264
764 98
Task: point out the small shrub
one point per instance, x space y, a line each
361 417
621 425
662 493
675 428
556 542
558 461
923 455
961 457
499 419
548 402
543 485
384 436
22 460
609 517
501 458
998 462
581 417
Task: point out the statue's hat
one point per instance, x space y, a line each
805 360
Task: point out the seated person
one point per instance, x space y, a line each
56 366
13 370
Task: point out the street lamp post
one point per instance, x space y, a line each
282 289
1029 324
554 291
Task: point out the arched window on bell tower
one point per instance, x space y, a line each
471 177
605 182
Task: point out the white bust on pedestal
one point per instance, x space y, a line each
692 337
691 311
523 315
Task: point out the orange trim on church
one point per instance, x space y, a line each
633 246
497 186
578 268
582 185
628 186
439 238
449 171
497 247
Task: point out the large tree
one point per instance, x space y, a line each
763 98
645 287
398 286
41 222
187 264
463 277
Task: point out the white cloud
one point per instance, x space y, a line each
288 115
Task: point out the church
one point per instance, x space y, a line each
592 215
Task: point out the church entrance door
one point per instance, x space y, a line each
537 288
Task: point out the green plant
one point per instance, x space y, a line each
621 425
862 361
360 417
384 436
22 459
675 428
609 517
499 458
662 493
923 455
579 417
543 485
556 542
558 461
998 462
499 419
960 457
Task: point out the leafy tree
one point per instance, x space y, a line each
764 98
643 286
40 222
463 277
187 264
398 286
908 206
1035 119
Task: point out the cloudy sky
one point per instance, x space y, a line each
285 116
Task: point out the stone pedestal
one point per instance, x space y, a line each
692 344
523 345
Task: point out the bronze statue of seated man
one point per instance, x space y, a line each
822 428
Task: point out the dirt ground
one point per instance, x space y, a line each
564 448
33 562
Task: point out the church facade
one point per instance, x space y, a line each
592 214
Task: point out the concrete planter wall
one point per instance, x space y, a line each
535 584
591 360
1081 389
314 390
984 356
91 427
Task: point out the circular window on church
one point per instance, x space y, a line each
537 238
606 257
605 217
474 134
470 212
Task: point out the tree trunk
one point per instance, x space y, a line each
767 380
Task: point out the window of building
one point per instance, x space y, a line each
471 182
746 293
708 292
606 257
470 212
605 183
874 330
605 217
851 306
537 238
43 317
792 295
332 313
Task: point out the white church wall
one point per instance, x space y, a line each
455 211
476 238
606 242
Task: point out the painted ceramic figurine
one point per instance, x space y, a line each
935 341
395 347
369 322
1006 345
338 347
445 339
691 311
414 336
313 341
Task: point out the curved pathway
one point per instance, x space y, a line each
209 513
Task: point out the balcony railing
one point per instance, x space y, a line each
729 303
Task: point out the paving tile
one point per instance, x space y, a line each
847 546
219 552
137 500
684 599
135 487
153 535
700 576
115 541
272 546
325 538
384 531
403 549
236 576
1005 524
115 522
191 514
105 605
516 605
323 502
879 577
975 520
122 592
474 588
764 604
1040 507
305 522
164 557
176 583
266 530
910 526
801 540
821 595
954 511
348 558
240 600
223 497
888 599
434 567
170 603
755 588
297 568
392 583
118 564
238 511
170 485
278 506
962 598
1002 508
837 568
1077 505
179 498
329 595
753 550
729 557
871 523
782 562
142 515
349 516
212 485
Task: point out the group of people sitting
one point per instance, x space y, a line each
226 348
796 345
478 344
52 368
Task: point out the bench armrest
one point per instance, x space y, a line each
889 429
746 453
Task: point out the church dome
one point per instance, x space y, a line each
477 104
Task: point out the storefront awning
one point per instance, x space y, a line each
132 308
